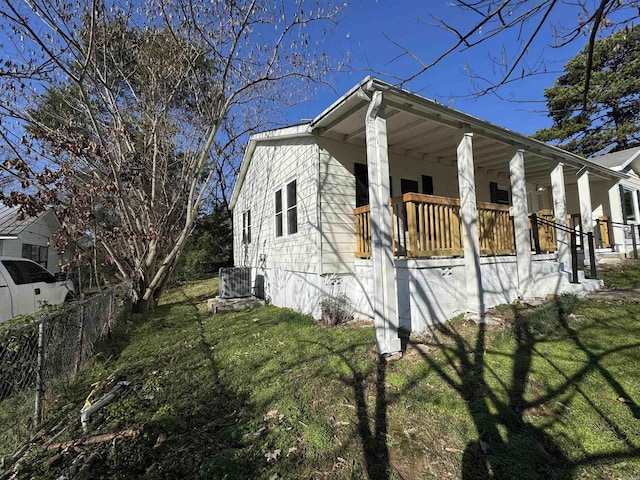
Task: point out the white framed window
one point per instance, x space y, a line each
246 227
286 210
628 208
279 213
292 208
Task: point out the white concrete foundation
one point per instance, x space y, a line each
430 291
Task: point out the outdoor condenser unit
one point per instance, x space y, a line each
235 282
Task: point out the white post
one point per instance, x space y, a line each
586 212
519 211
560 213
615 206
636 208
385 301
469 214
636 213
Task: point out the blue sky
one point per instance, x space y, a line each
361 31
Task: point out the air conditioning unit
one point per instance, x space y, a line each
235 282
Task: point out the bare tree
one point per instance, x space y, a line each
128 114
529 20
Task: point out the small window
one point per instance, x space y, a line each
498 195
246 227
362 184
427 184
627 205
36 253
279 213
292 208
408 186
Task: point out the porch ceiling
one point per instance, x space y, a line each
427 131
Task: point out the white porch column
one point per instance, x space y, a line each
615 206
560 213
636 216
469 214
519 211
385 301
586 211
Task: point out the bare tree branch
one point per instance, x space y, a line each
528 19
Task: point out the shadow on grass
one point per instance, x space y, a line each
508 445
512 414
372 437
206 430
190 417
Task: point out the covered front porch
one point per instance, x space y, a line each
480 183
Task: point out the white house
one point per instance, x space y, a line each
413 211
29 238
618 204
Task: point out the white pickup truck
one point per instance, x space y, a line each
25 287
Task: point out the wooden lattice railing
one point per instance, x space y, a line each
430 226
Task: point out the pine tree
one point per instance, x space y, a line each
607 117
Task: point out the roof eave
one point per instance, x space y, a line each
296 131
454 118
630 160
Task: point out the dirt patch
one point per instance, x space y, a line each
616 294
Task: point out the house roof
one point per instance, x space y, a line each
11 227
618 161
425 130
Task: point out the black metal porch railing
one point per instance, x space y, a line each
634 242
574 234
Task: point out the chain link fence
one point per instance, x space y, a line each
50 350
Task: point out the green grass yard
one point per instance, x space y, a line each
551 393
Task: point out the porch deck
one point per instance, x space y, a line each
430 226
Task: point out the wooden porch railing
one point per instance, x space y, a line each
603 235
430 226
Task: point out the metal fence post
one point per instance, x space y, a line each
633 241
592 255
37 416
79 355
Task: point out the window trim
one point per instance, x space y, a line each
283 225
278 220
292 208
246 227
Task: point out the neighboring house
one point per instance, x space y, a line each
29 238
619 203
411 210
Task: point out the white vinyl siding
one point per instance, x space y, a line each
337 200
36 234
274 166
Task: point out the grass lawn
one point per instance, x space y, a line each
549 394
